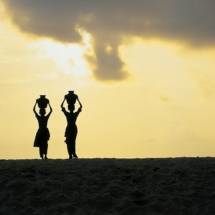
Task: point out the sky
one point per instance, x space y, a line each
144 72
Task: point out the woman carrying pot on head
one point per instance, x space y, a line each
71 129
42 135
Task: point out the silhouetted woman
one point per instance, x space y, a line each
42 135
71 129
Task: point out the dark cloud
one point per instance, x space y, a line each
191 22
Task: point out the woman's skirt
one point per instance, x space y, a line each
42 137
71 133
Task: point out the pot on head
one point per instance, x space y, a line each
71 98
42 101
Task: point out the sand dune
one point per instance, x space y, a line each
174 186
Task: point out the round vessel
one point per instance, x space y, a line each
42 101
71 98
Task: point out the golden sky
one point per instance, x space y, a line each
144 72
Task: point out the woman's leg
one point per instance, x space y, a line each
41 151
73 149
74 145
45 150
69 149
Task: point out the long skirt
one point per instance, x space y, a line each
71 134
42 137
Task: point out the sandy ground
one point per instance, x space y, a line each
173 186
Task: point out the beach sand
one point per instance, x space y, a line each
173 186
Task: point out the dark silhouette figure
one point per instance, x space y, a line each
71 129
42 135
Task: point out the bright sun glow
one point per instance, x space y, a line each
68 58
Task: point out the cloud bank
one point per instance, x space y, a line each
108 22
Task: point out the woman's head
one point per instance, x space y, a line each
42 111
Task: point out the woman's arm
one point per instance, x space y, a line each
50 109
79 103
34 109
48 115
62 103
